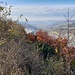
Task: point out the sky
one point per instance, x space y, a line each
41 2
41 11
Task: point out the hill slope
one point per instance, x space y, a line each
17 55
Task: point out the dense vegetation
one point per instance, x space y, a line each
28 54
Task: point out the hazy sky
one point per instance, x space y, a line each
37 2
41 10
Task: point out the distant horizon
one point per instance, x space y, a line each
46 24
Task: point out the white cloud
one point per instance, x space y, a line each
38 18
40 13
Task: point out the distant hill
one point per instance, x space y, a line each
48 26
29 28
65 25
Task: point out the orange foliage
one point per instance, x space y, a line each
31 37
64 42
44 37
41 36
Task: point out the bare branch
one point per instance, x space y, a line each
72 16
65 17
